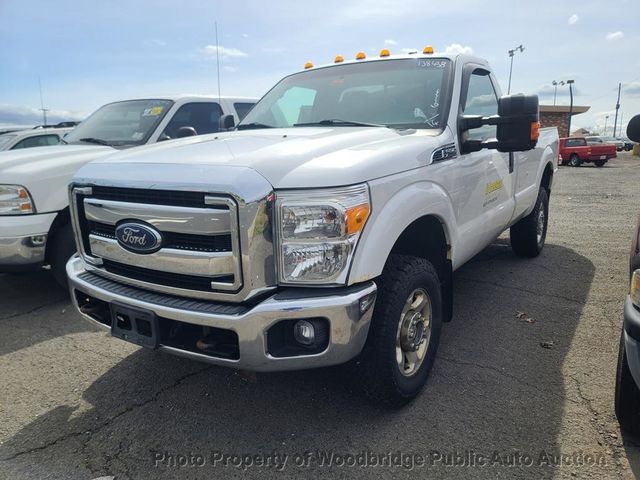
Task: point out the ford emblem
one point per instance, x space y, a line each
138 238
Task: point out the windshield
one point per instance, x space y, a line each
404 93
6 139
120 124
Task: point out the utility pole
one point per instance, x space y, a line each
44 110
511 54
615 122
218 64
606 120
570 83
555 89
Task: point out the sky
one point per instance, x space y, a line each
88 53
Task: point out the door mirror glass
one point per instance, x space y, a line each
633 129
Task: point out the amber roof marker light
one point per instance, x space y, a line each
360 56
338 59
308 65
385 52
427 50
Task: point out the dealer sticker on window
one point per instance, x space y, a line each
152 112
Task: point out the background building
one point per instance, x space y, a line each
558 116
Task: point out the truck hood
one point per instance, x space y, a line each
295 157
46 171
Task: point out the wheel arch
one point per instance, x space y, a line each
62 218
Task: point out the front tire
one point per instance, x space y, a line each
404 334
574 160
60 249
529 234
627 396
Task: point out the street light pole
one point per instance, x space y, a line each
511 54
555 89
570 83
615 123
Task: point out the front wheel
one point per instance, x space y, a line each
574 160
627 395
529 234
404 334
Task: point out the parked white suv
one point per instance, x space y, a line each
33 137
35 227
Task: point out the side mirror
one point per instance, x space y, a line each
633 129
186 132
518 126
226 122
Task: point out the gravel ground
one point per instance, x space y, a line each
77 404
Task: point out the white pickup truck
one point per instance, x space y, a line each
325 229
35 227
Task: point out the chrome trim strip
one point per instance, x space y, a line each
185 262
195 221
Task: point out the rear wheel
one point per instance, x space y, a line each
404 334
627 396
61 247
529 234
574 160
600 163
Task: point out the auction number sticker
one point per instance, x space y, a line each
152 112
431 63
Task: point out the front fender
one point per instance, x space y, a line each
395 205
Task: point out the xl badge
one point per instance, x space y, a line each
138 238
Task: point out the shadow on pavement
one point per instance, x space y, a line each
493 388
32 310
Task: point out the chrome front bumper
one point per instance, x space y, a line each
22 253
341 307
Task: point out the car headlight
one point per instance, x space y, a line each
318 231
15 200
635 288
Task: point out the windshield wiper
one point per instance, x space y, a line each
339 123
97 141
247 126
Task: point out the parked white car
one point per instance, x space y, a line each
325 228
35 227
38 137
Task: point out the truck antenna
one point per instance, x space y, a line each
218 63
42 109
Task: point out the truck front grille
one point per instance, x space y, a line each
199 255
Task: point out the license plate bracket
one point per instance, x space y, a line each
135 325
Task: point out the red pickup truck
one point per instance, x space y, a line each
575 151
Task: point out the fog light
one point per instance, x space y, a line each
38 240
304 332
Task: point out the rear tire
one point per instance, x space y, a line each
405 331
627 396
529 234
574 160
600 163
61 247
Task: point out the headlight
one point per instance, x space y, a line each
635 288
318 231
15 200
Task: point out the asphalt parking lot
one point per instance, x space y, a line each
524 378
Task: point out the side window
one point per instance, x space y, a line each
242 108
201 116
37 141
481 100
